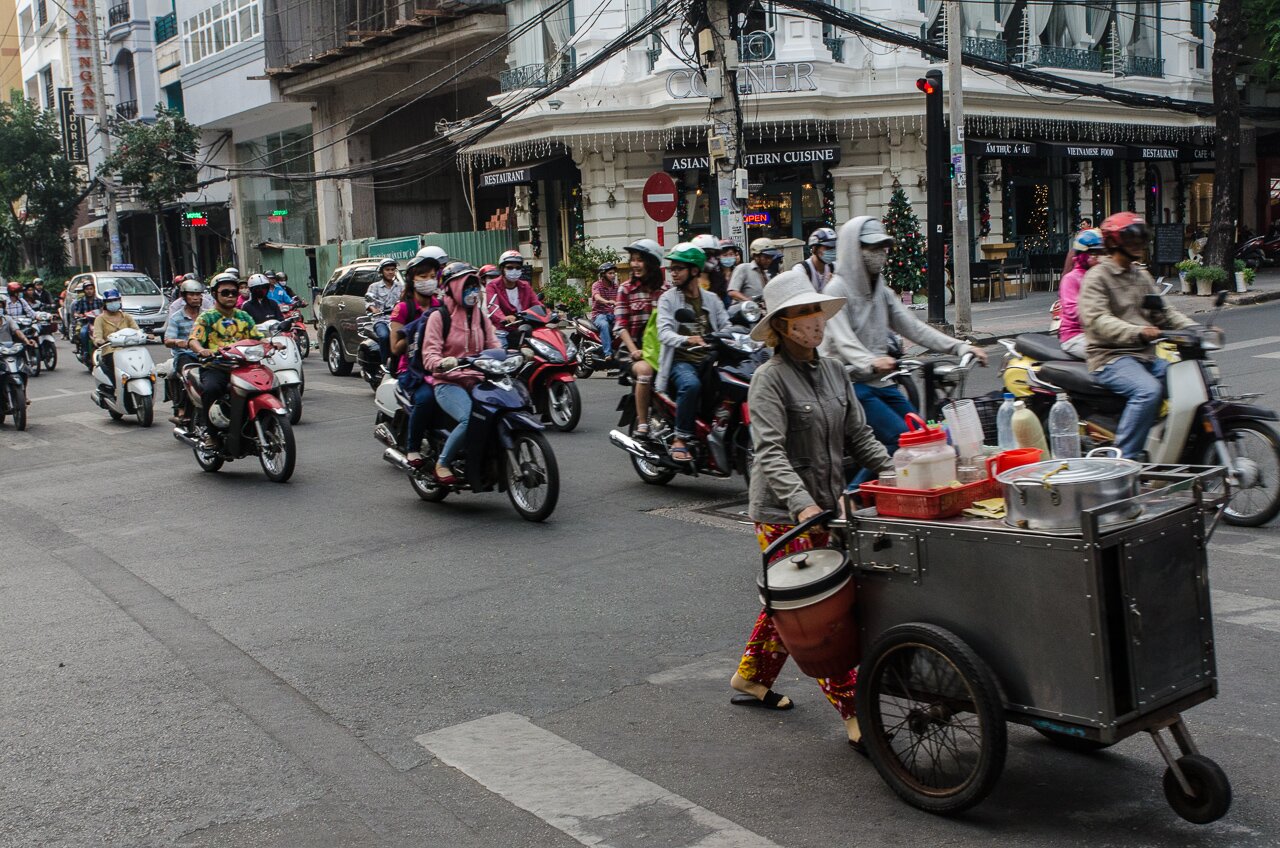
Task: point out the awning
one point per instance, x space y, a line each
1001 149
701 161
92 230
547 169
1083 150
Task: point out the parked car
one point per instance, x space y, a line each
139 295
339 305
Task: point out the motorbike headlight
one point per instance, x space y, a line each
511 364
751 311
545 350
253 353
571 350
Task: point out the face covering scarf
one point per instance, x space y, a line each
875 260
806 330
426 288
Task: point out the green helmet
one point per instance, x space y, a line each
686 253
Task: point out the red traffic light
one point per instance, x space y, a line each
926 85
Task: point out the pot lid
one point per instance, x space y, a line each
1077 470
806 574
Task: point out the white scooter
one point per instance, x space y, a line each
286 363
48 345
135 373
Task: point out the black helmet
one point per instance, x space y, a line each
606 266
281 277
417 264
457 269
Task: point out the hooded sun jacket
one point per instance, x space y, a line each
671 302
859 333
470 333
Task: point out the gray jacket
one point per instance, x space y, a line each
804 417
859 333
671 302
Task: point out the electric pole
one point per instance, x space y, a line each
959 180
935 170
719 51
113 223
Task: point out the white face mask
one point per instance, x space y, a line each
806 330
512 274
875 259
728 261
426 287
113 305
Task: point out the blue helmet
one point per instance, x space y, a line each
110 294
1087 240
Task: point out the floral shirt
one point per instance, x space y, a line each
213 331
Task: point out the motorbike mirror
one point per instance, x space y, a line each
685 315
1153 303
284 326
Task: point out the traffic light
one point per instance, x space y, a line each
927 85
937 181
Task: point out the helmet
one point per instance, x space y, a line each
258 281
687 253
645 247
15 287
511 256
1087 240
456 270
269 274
490 271
224 277
109 294
606 266
824 236
706 242
37 282
417 264
729 244
191 277
177 280
281 276
28 285
235 272
190 287
387 263
435 254
1126 232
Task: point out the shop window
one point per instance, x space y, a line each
264 198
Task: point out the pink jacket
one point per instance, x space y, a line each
1068 294
495 298
469 335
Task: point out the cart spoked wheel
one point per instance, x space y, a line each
932 718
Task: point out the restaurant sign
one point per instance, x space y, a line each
759 159
80 48
1002 149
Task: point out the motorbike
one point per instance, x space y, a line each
250 420
133 392
285 361
84 353
944 380
47 329
504 447
548 372
369 354
722 440
293 311
31 355
1200 424
13 384
1259 251
584 338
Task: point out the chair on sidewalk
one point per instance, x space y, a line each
1009 269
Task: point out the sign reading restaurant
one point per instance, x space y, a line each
759 159
512 176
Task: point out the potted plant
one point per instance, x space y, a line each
1240 268
1209 278
1249 275
1184 268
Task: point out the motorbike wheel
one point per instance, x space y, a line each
338 366
36 362
280 453
18 406
304 343
145 407
911 390
209 461
426 487
654 475
292 397
115 416
49 355
534 484
564 405
1255 448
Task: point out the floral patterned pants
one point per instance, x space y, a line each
765 654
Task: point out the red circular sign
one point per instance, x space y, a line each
660 197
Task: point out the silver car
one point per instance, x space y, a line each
140 297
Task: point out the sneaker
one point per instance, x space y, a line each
209 441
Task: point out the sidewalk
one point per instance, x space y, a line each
1007 318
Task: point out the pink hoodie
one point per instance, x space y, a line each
1068 294
469 335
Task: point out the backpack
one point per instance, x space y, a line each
416 332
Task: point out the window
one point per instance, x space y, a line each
46 86
42 13
357 282
1197 29
223 25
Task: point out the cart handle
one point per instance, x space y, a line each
781 542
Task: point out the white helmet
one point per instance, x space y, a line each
710 245
510 257
646 247
191 287
436 254
235 272
257 281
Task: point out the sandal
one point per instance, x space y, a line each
641 430
770 701
680 455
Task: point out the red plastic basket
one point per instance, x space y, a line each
927 503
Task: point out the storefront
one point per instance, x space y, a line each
546 193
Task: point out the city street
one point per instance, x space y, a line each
208 660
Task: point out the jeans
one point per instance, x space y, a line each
86 343
886 409
213 385
382 332
604 326
424 403
501 335
687 389
1143 384
456 403
177 394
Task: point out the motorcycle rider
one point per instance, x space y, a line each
280 291
420 296
180 303
18 307
177 334
259 306
9 332
858 335
42 296
747 282
712 277
470 333
730 255
604 299
1088 250
1120 335
509 295
822 258
215 329
86 303
110 320
637 298
679 366
383 296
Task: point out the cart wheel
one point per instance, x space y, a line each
1208 781
932 718
1076 744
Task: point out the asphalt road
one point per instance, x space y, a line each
214 660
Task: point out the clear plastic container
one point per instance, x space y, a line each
1004 424
924 460
1064 429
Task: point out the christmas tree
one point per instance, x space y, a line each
907 266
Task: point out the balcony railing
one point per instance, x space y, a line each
836 46
987 48
127 109
166 27
533 76
118 14
654 54
1046 56
755 46
1142 66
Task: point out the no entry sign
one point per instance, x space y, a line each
660 197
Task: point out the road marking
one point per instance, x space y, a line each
61 394
1258 342
1275 354
98 419
591 799
707 668
361 389
1246 610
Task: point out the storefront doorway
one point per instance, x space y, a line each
790 207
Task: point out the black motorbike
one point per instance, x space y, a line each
13 384
369 354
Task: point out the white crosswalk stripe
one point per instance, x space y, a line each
1248 343
591 799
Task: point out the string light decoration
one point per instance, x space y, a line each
1075 203
829 199
1129 202
535 231
1039 217
575 213
682 208
984 209
908 266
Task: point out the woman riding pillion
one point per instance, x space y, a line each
422 278
637 299
460 329
680 366
804 419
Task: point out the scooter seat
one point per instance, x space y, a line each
1041 347
1072 376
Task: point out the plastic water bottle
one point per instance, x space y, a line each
1004 424
1064 429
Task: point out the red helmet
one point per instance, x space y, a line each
490 271
15 287
1126 232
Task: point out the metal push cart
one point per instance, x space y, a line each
1089 637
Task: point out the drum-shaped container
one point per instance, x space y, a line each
811 597
1051 495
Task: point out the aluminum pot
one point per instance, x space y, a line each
1051 495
